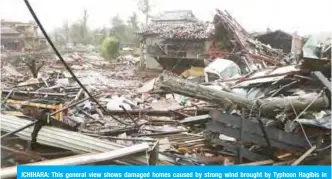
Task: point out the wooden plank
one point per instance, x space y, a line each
254 128
299 160
263 162
248 137
195 119
323 80
241 136
246 153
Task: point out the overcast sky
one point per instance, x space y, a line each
304 16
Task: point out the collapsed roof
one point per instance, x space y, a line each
189 31
237 37
181 24
5 30
232 41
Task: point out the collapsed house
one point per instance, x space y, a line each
28 33
179 42
11 39
175 39
281 40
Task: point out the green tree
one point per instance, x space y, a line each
132 29
119 28
58 36
98 35
79 31
110 47
133 21
75 33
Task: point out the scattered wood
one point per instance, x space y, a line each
308 152
253 132
195 119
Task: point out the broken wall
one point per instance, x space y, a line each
297 43
151 62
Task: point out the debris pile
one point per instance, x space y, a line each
232 41
272 111
277 115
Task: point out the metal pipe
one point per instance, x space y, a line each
4 100
90 158
130 117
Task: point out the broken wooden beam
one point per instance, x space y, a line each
151 112
308 152
35 93
271 106
268 106
257 163
195 119
169 83
233 147
324 81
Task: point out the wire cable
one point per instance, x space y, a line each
63 61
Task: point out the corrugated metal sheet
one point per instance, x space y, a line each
11 172
266 72
60 138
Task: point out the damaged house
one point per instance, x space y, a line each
176 40
282 40
28 33
11 39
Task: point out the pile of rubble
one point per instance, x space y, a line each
232 41
277 115
272 115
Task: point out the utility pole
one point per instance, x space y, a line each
147 6
144 6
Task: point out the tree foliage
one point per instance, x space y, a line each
133 21
119 28
110 47
78 32
125 32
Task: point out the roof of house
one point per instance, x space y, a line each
189 31
8 31
17 23
272 33
179 15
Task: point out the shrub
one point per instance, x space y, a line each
110 47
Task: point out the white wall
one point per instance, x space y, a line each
150 62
